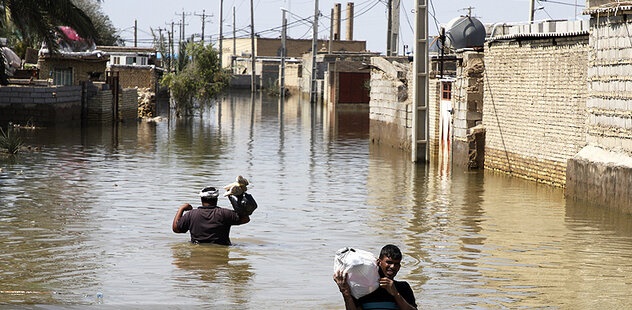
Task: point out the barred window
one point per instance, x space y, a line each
446 90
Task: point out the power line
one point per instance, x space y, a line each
562 3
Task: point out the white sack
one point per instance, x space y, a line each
362 270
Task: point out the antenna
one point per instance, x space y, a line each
468 9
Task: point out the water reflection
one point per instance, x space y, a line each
91 213
206 269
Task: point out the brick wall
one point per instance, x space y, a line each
128 104
434 113
80 69
390 115
99 109
136 76
535 106
601 173
610 84
468 142
40 106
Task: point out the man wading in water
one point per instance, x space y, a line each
210 223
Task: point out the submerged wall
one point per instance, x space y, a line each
40 106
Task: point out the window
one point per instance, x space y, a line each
446 90
130 61
62 76
116 60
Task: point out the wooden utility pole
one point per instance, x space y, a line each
531 11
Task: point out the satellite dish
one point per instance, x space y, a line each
465 32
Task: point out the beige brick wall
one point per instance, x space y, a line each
434 97
610 84
535 106
390 119
136 76
80 69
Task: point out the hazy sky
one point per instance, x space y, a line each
369 24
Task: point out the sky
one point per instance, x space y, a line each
370 21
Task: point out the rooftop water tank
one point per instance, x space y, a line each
465 32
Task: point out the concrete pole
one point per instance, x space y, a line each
283 55
420 88
395 28
312 98
234 35
389 27
221 32
252 47
135 33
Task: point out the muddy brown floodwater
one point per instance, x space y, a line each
86 221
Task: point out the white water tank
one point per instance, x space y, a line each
465 32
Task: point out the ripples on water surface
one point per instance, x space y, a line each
91 213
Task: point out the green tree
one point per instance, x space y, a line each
106 32
32 20
201 77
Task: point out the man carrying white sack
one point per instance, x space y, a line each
391 294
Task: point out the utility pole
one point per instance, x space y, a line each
221 34
531 11
312 98
389 27
234 34
283 52
252 47
203 15
395 27
420 88
135 33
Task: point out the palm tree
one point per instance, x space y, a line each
38 19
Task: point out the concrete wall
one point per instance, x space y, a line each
602 171
390 107
535 105
40 106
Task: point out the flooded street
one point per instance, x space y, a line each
86 220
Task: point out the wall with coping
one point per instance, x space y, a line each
535 105
601 172
40 106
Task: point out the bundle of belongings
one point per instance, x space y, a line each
361 267
242 202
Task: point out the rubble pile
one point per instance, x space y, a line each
146 103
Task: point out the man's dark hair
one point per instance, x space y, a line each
211 201
391 251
